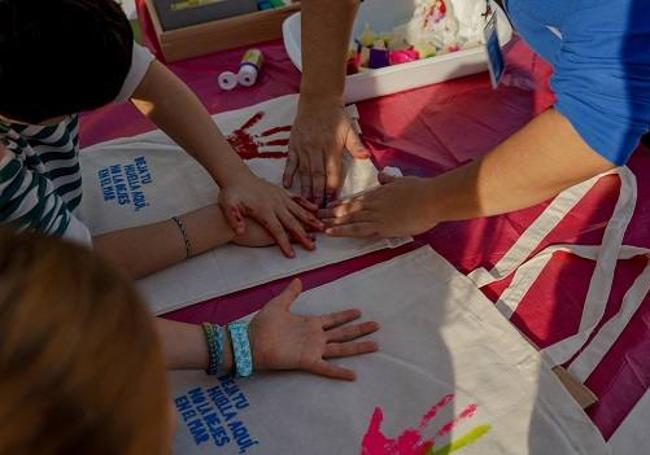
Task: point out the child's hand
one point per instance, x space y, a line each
255 236
274 208
282 340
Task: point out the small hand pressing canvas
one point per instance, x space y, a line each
451 376
147 178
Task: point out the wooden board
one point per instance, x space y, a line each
220 35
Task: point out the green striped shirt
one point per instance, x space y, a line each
40 179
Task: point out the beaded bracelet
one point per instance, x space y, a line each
241 349
186 239
214 338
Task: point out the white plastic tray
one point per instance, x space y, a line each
383 15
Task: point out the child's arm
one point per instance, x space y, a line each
280 340
169 103
29 202
143 250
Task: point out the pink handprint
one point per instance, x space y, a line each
435 14
411 440
256 145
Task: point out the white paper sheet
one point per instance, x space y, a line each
445 350
147 178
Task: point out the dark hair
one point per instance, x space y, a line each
81 370
60 57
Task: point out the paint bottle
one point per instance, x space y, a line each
352 66
379 58
404 56
227 80
250 67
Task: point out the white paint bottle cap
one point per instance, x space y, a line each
227 80
247 74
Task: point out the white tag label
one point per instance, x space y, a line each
496 61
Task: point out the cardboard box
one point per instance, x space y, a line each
175 14
216 35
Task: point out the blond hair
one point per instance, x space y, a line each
80 364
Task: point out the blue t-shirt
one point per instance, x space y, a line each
600 52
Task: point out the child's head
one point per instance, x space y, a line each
80 366
60 57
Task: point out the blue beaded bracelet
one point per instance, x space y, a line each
214 338
241 349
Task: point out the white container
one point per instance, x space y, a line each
383 15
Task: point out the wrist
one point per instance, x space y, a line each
433 199
207 229
225 231
235 175
255 348
313 100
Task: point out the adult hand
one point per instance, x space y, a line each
281 213
397 208
282 340
321 132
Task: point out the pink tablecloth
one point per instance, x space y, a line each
426 132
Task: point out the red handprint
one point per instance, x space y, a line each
411 441
437 12
251 145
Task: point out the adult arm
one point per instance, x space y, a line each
541 160
600 113
322 128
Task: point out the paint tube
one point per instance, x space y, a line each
227 80
250 67
379 58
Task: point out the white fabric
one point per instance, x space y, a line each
141 60
167 182
606 257
632 435
592 355
587 361
129 8
440 336
77 232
